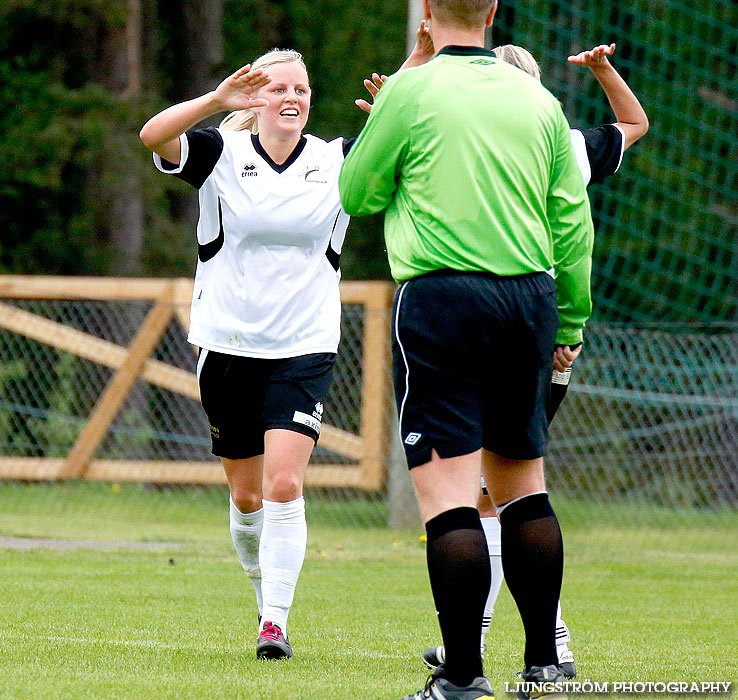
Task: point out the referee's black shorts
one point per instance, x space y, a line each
473 356
246 396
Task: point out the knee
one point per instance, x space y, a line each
246 501
283 487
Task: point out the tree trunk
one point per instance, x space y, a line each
125 212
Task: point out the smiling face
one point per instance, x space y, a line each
289 100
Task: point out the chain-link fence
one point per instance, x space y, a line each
103 389
651 421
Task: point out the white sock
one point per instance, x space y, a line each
492 533
562 633
246 533
281 554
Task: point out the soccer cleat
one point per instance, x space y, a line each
433 657
439 688
565 655
544 678
272 643
566 663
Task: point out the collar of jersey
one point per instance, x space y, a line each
283 166
453 50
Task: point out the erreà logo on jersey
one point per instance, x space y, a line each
313 174
249 170
482 62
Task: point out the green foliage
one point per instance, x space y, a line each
60 426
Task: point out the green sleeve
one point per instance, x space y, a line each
567 208
368 178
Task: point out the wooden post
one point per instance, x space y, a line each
120 385
375 384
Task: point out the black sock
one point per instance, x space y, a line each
533 562
458 568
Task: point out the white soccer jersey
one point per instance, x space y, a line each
269 237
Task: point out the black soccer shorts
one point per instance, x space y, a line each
245 396
473 356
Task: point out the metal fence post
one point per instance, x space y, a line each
404 513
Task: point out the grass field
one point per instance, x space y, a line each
178 620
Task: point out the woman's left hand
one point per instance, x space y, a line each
594 57
373 87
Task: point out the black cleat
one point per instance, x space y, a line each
272 643
433 657
544 680
439 688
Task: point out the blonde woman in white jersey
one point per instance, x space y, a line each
266 304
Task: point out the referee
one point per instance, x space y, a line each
473 161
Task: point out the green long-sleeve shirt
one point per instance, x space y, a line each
473 161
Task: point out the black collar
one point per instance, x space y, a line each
453 50
283 166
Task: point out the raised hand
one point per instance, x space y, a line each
373 87
594 57
424 42
237 90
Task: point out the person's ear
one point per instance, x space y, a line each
490 16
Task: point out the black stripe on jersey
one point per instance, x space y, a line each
209 250
283 166
205 148
331 254
348 145
604 150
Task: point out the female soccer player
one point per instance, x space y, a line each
266 305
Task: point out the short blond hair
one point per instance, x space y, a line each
520 58
246 118
466 13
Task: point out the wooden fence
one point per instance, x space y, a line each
171 301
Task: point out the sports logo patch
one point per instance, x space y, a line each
412 438
305 419
249 170
313 174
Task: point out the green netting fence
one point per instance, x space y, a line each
667 222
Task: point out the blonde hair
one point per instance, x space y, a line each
246 118
466 13
520 58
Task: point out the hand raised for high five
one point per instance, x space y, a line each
372 86
594 57
237 90
423 49
422 52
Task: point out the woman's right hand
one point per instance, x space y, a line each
237 91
